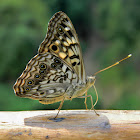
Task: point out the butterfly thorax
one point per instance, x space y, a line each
79 89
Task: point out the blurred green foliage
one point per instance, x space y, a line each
114 24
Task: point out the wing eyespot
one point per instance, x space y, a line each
30 82
60 30
54 48
37 76
27 89
53 65
42 72
57 61
43 66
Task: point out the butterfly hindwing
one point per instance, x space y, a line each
45 78
62 41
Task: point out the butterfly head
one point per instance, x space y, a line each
91 80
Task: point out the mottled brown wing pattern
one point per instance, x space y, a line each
57 70
62 41
45 78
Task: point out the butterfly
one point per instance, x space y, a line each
57 72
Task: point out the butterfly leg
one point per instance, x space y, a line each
91 102
96 99
86 100
60 106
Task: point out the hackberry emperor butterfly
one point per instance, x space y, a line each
57 72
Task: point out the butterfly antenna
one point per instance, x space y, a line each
112 65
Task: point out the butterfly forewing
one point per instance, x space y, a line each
62 41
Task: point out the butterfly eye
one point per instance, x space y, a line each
43 66
54 48
30 82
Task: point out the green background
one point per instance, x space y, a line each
108 31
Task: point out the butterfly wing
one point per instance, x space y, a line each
62 41
45 78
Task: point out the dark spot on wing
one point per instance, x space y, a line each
78 63
74 63
62 24
70 33
74 56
